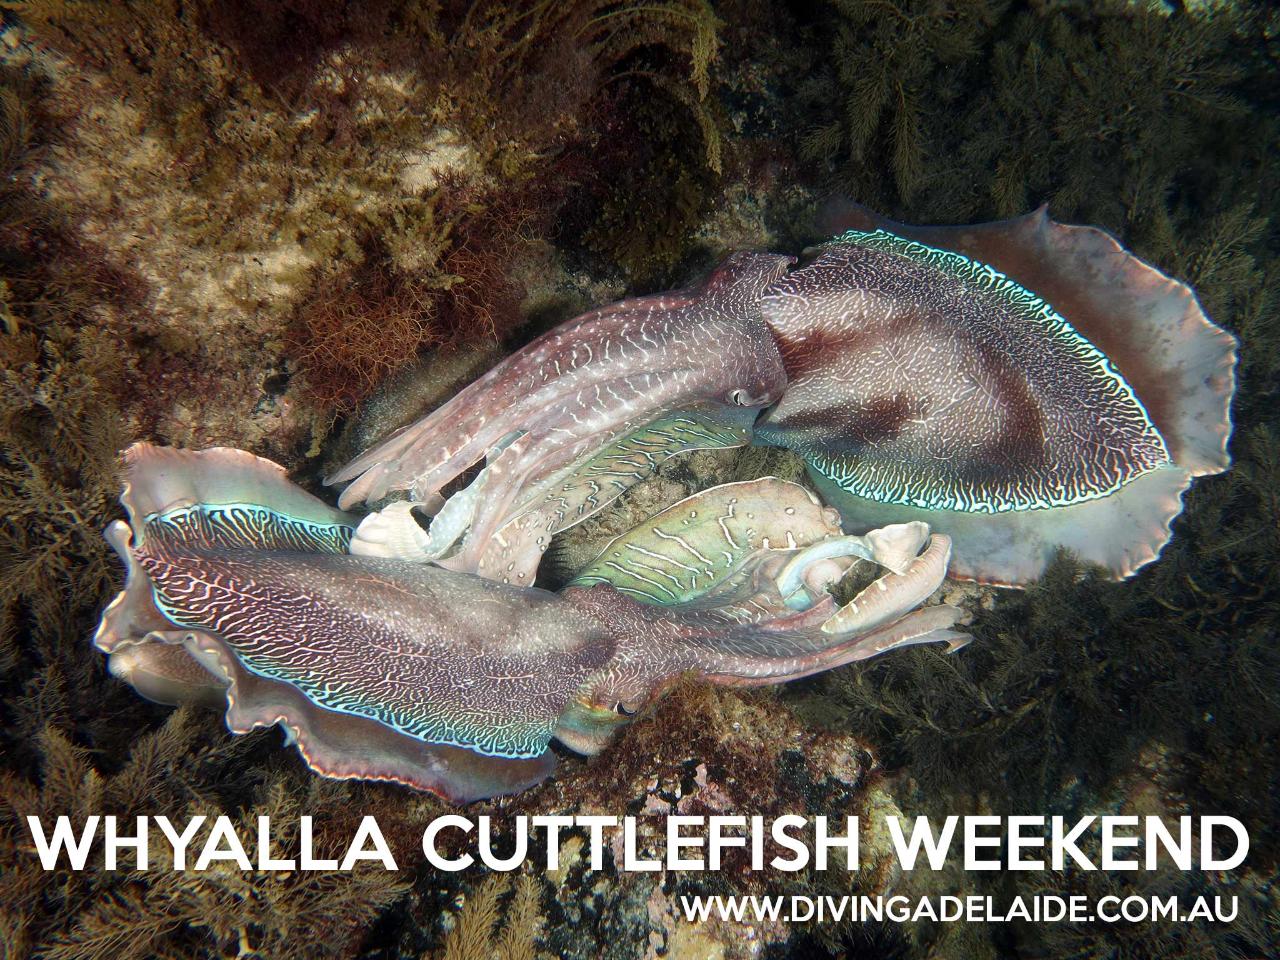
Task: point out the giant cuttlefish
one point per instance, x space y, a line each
241 591
973 396
1020 386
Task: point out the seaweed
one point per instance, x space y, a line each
644 219
485 929
352 185
58 443
912 49
400 154
1253 932
181 771
358 327
280 43
62 421
1109 95
1114 113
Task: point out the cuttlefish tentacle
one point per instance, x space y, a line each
793 657
894 547
886 598
657 644
811 570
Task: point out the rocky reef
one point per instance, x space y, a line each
705 753
294 226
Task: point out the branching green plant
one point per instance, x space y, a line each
889 61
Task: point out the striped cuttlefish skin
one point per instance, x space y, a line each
966 399
241 591
1020 386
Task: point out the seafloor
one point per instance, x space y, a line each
293 225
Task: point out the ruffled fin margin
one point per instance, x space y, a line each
1179 363
170 663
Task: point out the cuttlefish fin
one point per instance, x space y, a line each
227 497
235 601
1156 339
346 746
144 648
220 497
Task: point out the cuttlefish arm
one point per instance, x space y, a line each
658 644
881 618
810 571
565 498
578 388
758 550
778 658
700 588
584 489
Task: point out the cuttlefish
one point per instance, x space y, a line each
973 396
242 591
1020 386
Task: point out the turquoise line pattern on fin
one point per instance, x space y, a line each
352 634
247 525
855 479
924 378
1017 297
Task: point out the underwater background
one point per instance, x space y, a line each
293 225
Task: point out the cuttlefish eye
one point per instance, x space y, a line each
739 398
624 709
